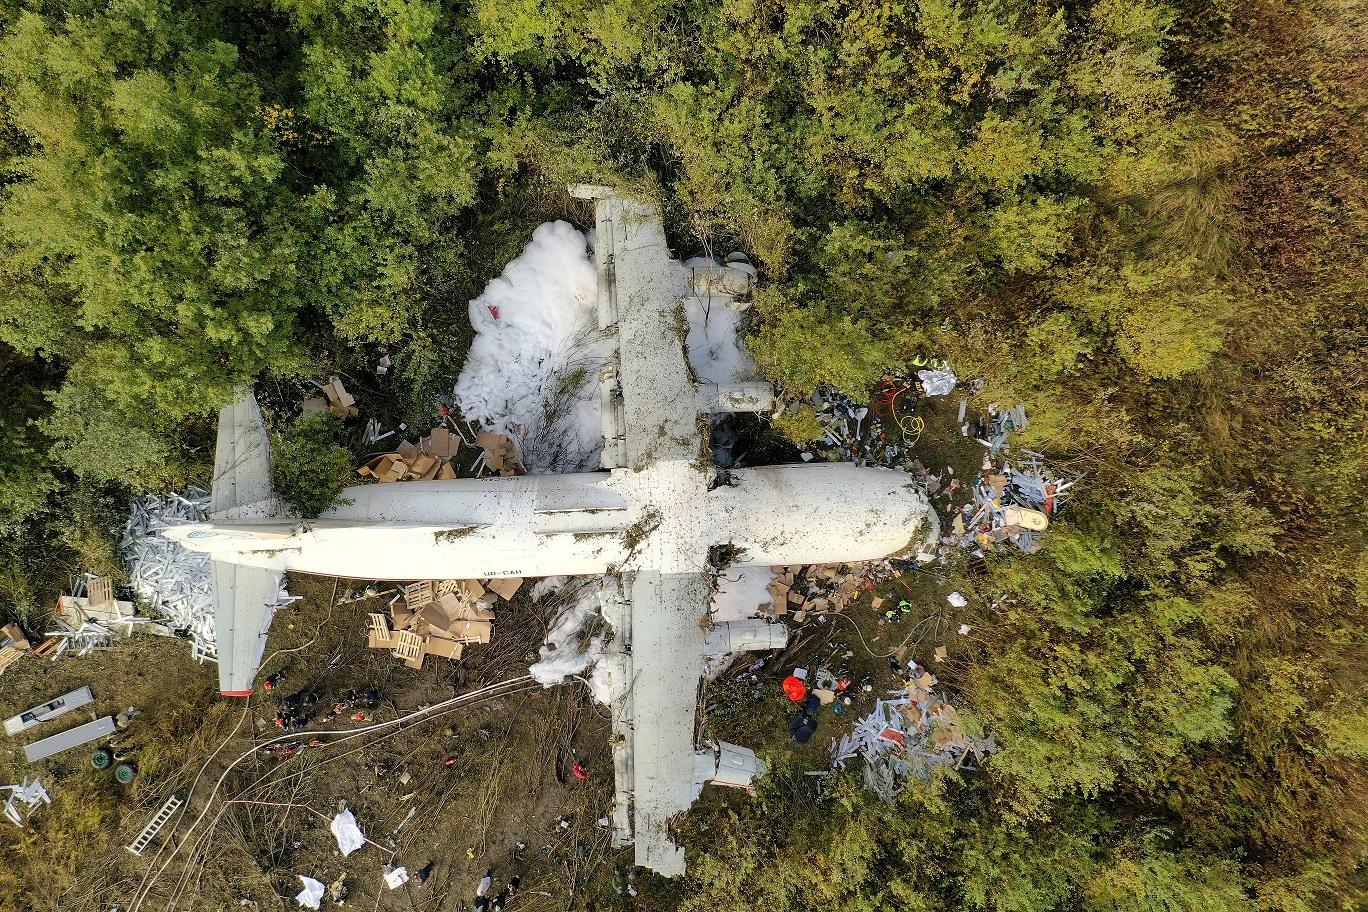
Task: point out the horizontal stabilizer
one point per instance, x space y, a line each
244 602
242 457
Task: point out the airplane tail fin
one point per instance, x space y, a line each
242 457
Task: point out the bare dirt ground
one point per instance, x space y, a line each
457 792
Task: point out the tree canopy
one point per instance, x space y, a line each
1142 219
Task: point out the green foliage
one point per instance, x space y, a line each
801 427
1129 215
309 467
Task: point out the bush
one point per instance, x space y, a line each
309 467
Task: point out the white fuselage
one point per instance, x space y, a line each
661 518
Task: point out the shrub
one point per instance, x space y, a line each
309 467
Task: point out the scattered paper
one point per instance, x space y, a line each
396 877
311 897
957 600
348 834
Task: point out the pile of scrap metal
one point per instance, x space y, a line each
430 458
817 589
439 617
174 582
903 738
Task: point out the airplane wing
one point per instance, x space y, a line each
651 411
654 665
244 603
667 643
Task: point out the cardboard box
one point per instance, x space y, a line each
471 631
421 465
339 400
440 443
505 587
447 649
434 617
454 605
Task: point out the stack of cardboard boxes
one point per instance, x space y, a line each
430 459
440 617
817 589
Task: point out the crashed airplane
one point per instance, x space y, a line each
654 524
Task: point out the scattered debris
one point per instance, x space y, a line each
500 454
29 795
44 712
992 430
439 617
1011 505
905 737
340 401
820 588
429 459
311 897
348 834
175 583
397 877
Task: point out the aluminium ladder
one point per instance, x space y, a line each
154 826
